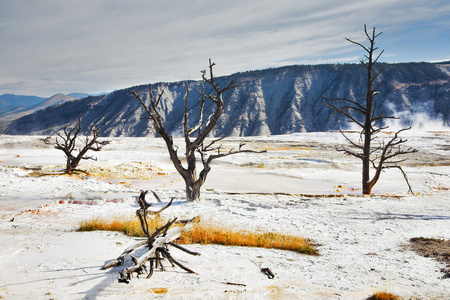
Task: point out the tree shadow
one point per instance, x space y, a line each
393 216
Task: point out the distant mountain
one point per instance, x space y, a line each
10 102
78 95
20 111
272 101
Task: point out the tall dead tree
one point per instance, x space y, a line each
383 154
68 140
195 136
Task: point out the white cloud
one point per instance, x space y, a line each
93 46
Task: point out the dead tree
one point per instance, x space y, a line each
384 154
195 136
68 140
157 244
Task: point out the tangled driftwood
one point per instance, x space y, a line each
157 244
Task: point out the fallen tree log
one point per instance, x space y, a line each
120 260
156 242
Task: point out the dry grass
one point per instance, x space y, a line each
384 296
207 233
129 226
129 170
285 148
159 290
436 248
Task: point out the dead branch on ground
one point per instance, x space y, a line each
157 243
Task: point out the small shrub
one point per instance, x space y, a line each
384 296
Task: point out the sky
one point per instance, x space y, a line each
95 46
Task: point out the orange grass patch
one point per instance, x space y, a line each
384 296
285 148
206 233
159 290
129 226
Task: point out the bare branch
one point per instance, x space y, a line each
350 141
359 108
344 113
231 152
359 44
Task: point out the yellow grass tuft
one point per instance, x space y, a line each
159 290
130 170
384 296
129 226
201 232
208 233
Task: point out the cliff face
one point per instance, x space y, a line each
267 102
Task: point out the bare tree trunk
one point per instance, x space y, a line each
68 164
366 186
192 191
